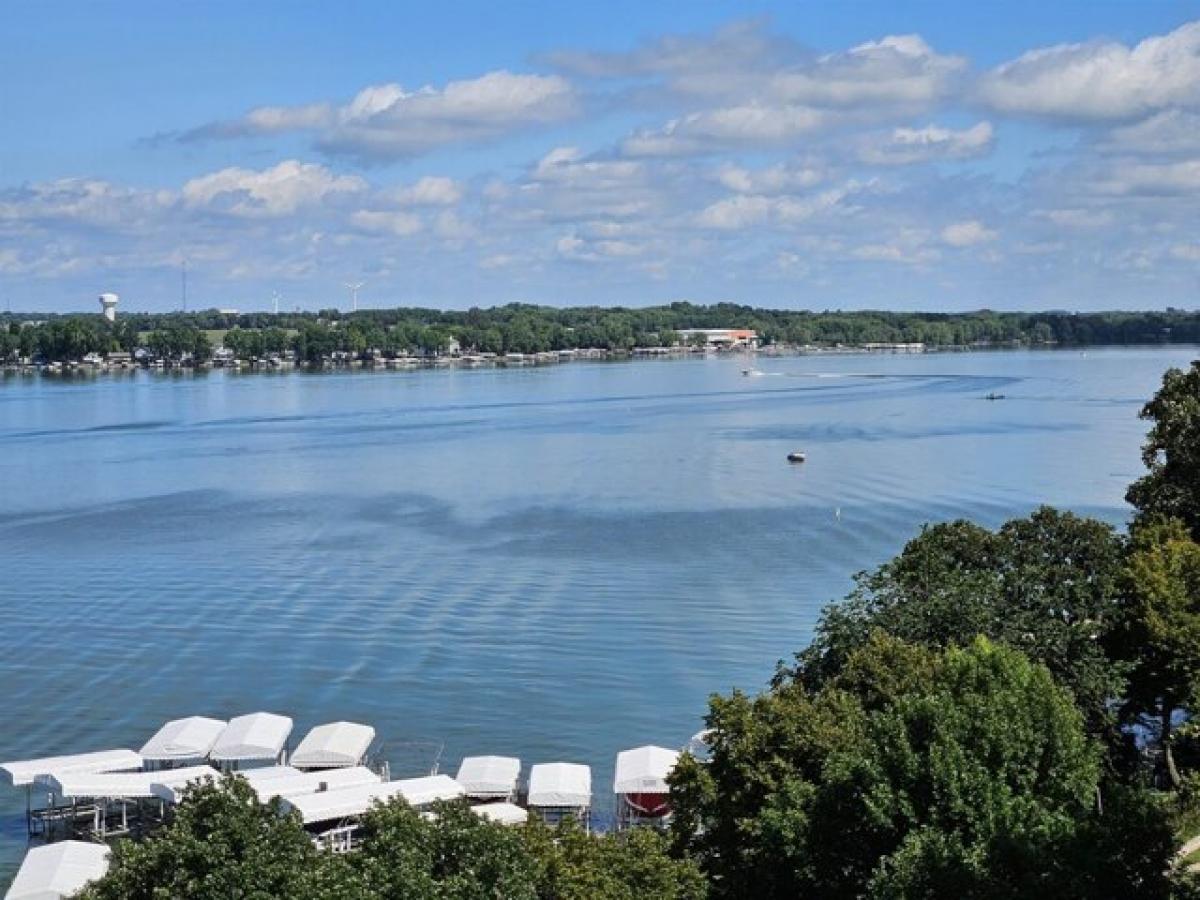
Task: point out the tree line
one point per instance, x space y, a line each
523 328
991 715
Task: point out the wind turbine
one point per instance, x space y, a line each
353 287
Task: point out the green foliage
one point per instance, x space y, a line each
523 328
1160 631
1171 487
223 844
1048 585
912 773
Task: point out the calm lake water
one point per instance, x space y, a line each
552 563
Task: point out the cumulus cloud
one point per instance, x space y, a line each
567 165
1100 80
749 125
742 87
432 190
276 191
777 179
386 122
967 233
84 201
905 146
574 247
744 211
745 61
389 222
1151 179
1173 132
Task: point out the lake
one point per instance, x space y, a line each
552 563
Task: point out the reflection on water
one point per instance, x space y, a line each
550 563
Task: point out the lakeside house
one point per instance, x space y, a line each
720 338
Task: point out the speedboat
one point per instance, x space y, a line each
796 456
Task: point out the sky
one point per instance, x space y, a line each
837 155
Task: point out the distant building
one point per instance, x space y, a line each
720 338
227 312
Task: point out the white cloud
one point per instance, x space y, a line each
967 233
385 121
1078 218
574 247
1173 132
85 201
567 166
1100 80
744 211
431 190
1186 252
748 125
905 146
777 179
905 252
276 191
1150 179
397 224
744 62
898 69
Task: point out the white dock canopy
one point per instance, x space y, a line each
489 776
644 770
502 813
560 784
27 771
255 737
183 739
329 806
55 871
124 785
334 745
288 786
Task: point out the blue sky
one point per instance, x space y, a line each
833 155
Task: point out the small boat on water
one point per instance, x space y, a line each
994 397
796 456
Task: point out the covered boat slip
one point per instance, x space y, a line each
640 783
181 741
560 790
296 783
107 804
502 813
31 773
25 772
336 745
255 738
333 815
59 870
489 777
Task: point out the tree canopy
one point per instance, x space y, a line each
222 843
1171 486
1047 585
913 773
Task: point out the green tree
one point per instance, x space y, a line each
1171 454
963 773
222 843
1160 632
1048 584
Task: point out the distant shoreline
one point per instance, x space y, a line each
275 365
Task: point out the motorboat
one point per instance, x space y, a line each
796 456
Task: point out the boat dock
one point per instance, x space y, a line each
330 781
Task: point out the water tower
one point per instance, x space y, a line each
108 306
